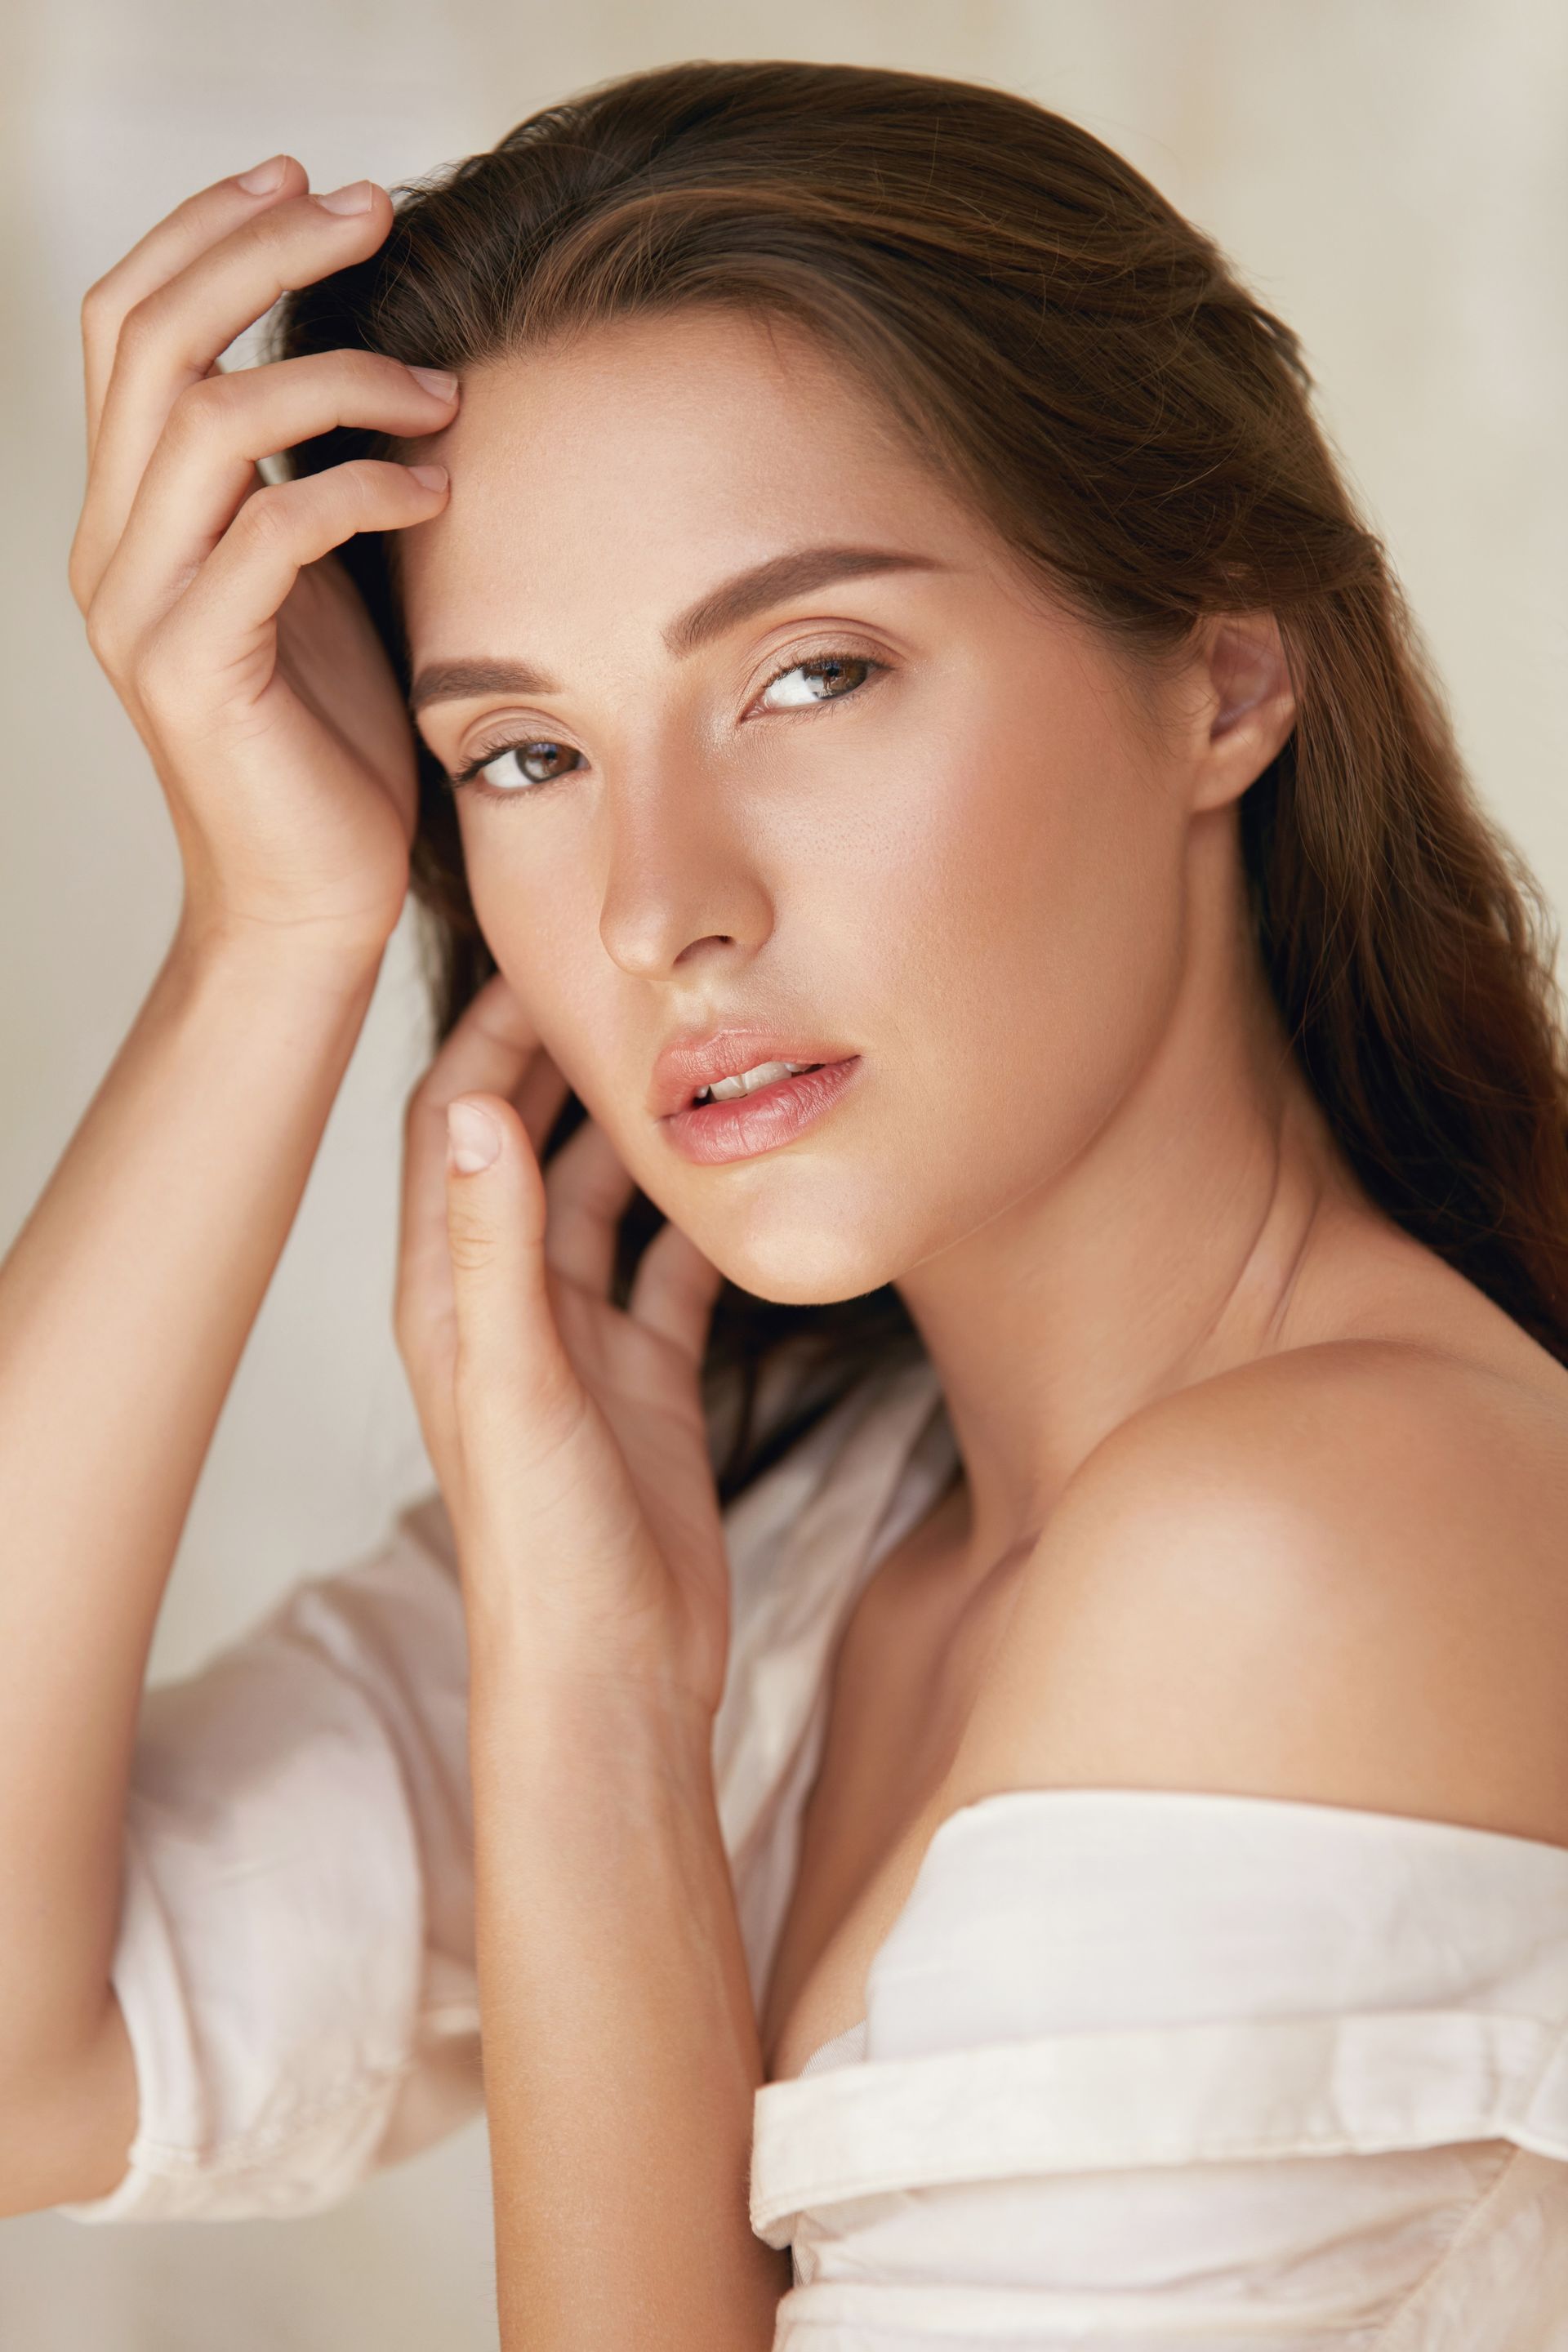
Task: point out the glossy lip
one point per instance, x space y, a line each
710 1133
695 1059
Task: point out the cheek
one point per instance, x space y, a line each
544 936
1026 914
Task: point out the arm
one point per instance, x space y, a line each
124 1305
621 2050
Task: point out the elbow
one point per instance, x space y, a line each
66 2123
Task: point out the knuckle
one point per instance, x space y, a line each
100 307
105 634
267 515
373 370
357 487
277 231
79 578
489 1398
370 479
159 672
199 407
403 1330
138 327
473 1250
344 363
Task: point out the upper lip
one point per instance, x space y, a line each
693 1060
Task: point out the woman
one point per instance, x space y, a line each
1065 1838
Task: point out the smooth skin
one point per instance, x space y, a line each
1216 1412
1263 1496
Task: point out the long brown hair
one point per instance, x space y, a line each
1087 367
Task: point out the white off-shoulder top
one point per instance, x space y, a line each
1139 2069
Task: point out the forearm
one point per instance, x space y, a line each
620 2046
124 1306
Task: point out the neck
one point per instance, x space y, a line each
1171 1247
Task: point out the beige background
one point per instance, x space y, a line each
1390 175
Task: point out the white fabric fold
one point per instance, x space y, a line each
1168 2067
295 1957
261 1924
1139 2069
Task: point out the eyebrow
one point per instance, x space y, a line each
793 573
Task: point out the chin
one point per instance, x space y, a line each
790 1265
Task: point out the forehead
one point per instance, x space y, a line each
629 465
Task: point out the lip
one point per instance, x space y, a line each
693 1061
740 1129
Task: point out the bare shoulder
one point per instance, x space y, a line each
1337 1575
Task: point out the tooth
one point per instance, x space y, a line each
746 1082
763 1074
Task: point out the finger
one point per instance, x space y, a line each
170 337
674 1290
587 1188
204 467
233 600
166 249
510 1358
539 1099
493 1048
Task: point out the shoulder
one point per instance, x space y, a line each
1335 1466
1338 1575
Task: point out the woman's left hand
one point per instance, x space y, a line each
567 1435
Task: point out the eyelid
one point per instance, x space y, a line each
841 644
489 751
792 659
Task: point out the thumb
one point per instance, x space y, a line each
509 1354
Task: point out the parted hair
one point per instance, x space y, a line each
1088 369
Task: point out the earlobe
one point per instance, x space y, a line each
1254 705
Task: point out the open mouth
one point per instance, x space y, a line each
757 1110
751 1082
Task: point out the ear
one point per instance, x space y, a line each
1247 707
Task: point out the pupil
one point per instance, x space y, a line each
536 755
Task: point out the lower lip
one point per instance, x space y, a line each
738 1130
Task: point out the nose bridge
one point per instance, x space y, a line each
677 869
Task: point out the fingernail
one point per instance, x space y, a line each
472 1136
438 380
357 197
433 478
262 178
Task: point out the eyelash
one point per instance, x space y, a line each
467 777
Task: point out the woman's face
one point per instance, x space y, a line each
945 844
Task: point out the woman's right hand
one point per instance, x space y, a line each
235 641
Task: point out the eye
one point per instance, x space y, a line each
508 772
829 678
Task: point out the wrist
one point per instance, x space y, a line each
275 962
589 1719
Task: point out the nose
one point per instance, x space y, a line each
679 883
